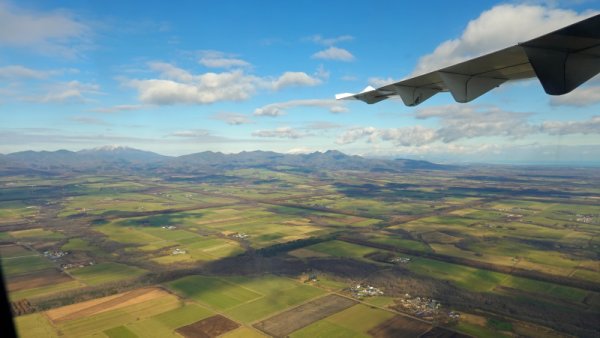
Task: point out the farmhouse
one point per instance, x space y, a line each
55 254
240 235
178 251
365 290
402 260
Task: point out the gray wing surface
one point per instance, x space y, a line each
561 60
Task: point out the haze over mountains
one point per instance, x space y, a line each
119 158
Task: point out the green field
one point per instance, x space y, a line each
244 299
213 292
342 249
106 273
25 264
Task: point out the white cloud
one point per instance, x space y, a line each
581 97
117 108
55 32
591 126
20 72
318 39
280 108
73 91
322 73
233 119
501 26
459 122
176 85
408 136
300 150
196 133
380 82
470 121
289 79
283 132
216 59
355 134
334 53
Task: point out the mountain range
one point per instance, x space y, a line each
119 158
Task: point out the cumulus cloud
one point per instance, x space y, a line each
54 32
380 82
458 122
233 119
499 27
176 85
216 59
408 136
318 39
283 132
334 53
354 134
289 79
581 97
469 121
280 108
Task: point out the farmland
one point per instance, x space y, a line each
254 252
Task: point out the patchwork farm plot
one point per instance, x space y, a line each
276 252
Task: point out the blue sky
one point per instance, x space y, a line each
234 76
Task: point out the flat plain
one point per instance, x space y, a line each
504 251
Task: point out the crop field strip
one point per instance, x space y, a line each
582 284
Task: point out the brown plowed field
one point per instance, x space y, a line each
36 279
92 307
208 328
289 321
399 327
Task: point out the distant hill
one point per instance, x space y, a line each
123 159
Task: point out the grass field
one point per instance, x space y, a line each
24 264
34 325
242 298
36 233
342 249
106 273
213 292
46 290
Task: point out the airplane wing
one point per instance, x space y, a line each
561 60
